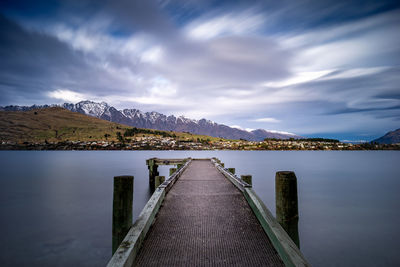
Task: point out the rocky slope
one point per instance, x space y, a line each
392 137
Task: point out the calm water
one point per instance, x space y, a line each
56 206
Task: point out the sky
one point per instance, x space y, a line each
325 68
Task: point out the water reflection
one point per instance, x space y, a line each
57 205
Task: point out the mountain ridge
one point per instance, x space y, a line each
159 121
391 137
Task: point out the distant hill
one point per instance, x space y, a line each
158 121
59 124
53 123
392 137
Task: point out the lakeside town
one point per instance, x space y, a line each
171 143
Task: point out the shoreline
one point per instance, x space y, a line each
261 146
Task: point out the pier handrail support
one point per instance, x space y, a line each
238 182
129 248
153 163
284 245
174 177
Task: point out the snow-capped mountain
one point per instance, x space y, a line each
158 121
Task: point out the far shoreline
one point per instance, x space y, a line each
281 145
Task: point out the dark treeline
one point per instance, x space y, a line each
132 131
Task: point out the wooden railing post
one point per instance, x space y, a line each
287 213
122 209
153 172
247 179
172 171
158 180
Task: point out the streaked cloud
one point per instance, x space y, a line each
235 23
269 120
300 77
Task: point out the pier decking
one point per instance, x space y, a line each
206 221
205 216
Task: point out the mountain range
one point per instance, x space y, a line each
158 121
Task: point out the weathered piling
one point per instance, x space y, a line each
153 171
159 180
231 170
247 179
287 213
172 171
122 209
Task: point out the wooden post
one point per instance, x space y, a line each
247 179
172 171
287 213
231 170
153 172
122 209
159 180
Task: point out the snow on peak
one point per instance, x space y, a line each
187 120
236 127
205 121
154 116
132 113
280 132
92 108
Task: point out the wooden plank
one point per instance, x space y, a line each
206 221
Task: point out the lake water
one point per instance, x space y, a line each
56 206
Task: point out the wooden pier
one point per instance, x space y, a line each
204 215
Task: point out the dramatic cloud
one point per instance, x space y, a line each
326 68
67 95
